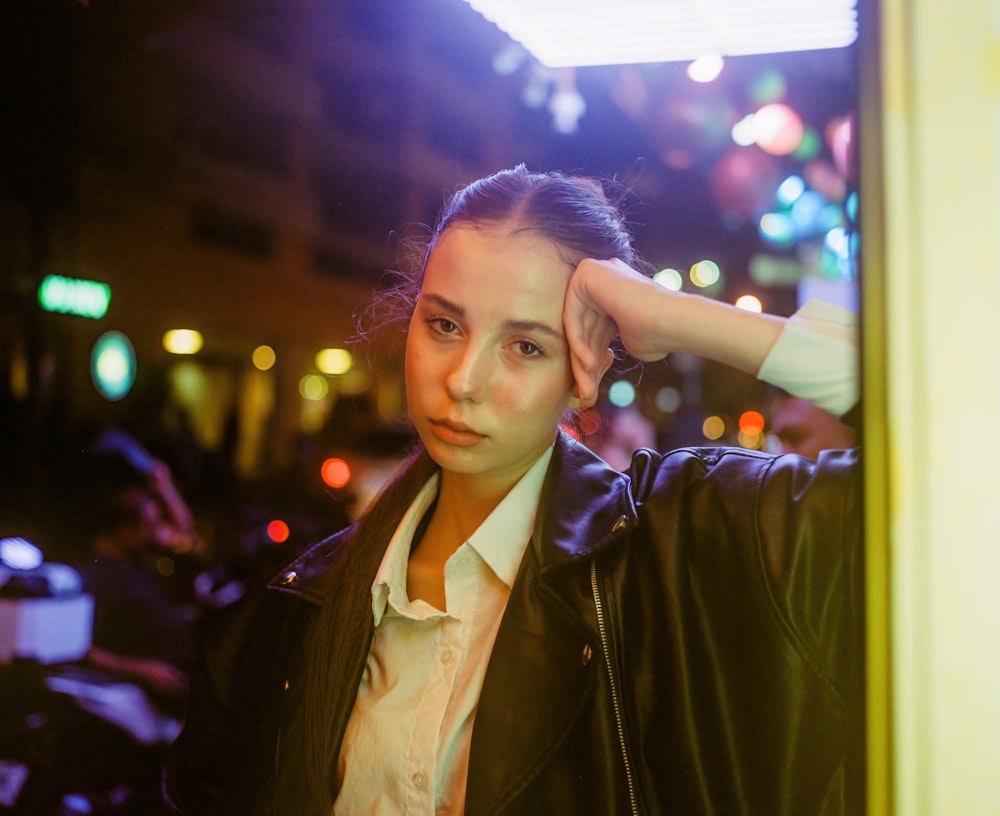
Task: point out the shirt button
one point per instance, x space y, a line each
446 656
419 780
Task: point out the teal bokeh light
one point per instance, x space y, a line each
113 365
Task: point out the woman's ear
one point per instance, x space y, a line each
586 387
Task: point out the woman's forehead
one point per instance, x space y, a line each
519 272
499 245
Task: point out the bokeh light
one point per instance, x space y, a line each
777 129
113 365
840 138
183 341
751 438
777 228
264 358
621 393
668 399
809 145
19 553
705 273
805 212
277 531
830 217
669 278
713 427
509 59
749 303
751 420
851 207
742 132
567 105
836 241
334 361
313 387
768 86
336 472
706 68
790 189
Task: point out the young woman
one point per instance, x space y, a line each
515 627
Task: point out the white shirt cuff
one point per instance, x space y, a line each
816 357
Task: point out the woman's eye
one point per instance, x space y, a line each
443 325
528 349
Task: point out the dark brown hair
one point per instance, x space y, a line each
573 212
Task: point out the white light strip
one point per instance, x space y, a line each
562 33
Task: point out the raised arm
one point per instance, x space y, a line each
605 298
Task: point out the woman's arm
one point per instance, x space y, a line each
605 298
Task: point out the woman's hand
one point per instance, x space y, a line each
608 297
605 298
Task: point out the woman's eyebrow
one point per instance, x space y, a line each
536 326
442 303
533 327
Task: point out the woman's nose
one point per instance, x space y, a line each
469 375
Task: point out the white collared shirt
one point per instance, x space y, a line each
406 748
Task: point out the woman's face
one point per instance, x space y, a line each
487 364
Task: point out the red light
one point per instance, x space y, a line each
277 531
752 419
336 472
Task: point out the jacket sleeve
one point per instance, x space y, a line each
809 539
780 535
756 566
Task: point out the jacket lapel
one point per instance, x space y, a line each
537 682
542 670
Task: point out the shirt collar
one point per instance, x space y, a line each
500 540
503 537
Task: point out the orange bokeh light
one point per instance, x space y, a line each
752 419
278 531
336 472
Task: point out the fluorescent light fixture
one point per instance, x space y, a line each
565 33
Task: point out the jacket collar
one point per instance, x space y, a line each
305 577
583 504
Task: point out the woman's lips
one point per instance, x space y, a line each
455 433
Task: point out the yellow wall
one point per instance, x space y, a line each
933 324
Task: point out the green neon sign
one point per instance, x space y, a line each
75 296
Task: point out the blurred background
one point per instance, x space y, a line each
196 199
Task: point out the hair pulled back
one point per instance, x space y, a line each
575 213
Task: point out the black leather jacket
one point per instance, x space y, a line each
684 639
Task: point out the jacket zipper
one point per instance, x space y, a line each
615 702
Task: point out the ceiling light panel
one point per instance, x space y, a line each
563 33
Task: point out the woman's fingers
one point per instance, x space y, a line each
589 332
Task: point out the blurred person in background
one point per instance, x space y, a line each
131 514
806 429
515 627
